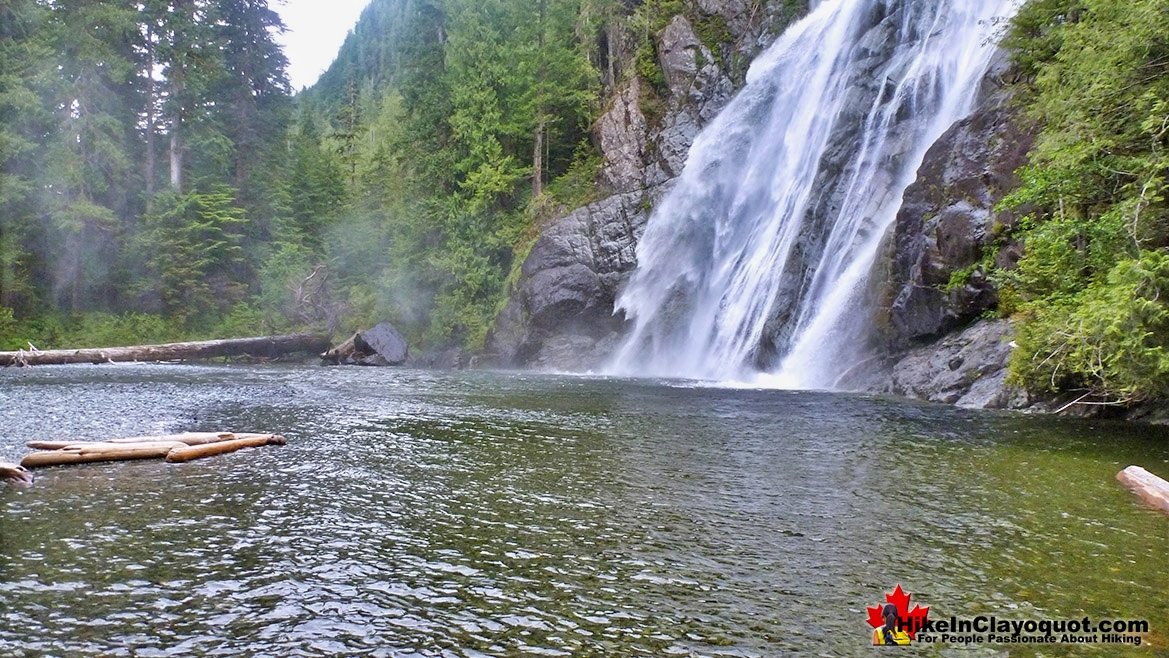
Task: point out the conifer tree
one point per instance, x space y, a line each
22 120
89 174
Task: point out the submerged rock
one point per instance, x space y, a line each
380 346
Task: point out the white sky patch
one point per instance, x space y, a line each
316 30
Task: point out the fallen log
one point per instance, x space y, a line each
100 452
48 445
190 438
14 473
1148 487
173 447
186 453
265 346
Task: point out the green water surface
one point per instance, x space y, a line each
485 514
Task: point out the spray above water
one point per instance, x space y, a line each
758 261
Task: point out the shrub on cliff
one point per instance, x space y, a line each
1110 338
1088 292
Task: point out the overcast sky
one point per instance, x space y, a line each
316 29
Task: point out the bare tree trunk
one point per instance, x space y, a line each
266 346
538 161
150 165
76 245
176 159
611 45
177 79
7 273
538 147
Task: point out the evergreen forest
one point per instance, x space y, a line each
159 179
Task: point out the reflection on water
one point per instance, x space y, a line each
480 514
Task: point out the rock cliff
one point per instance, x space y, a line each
946 230
560 312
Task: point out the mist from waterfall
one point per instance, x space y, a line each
757 264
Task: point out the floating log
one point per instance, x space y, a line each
189 438
1148 487
184 447
186 453
100 452
14 473
265 346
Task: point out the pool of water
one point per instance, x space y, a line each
475 514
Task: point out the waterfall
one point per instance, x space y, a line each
758 261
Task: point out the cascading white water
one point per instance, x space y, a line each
758 260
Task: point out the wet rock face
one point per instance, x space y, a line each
948 221
568 286
946 225
560 312
967 368
622 136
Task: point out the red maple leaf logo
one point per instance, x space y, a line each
910 621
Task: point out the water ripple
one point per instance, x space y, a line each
480 514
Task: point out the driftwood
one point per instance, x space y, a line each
14 473
187 453
1148 487
190 438
100 452
266 346
173 448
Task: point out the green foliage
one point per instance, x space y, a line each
192 246
408 185
1111 338
56 331
1036 33
453 153
652 16
288 279
577 186
1088 289
248 319
92 95
646 64
713 31
109 330
11 332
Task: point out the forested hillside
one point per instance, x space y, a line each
160 181
140 168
